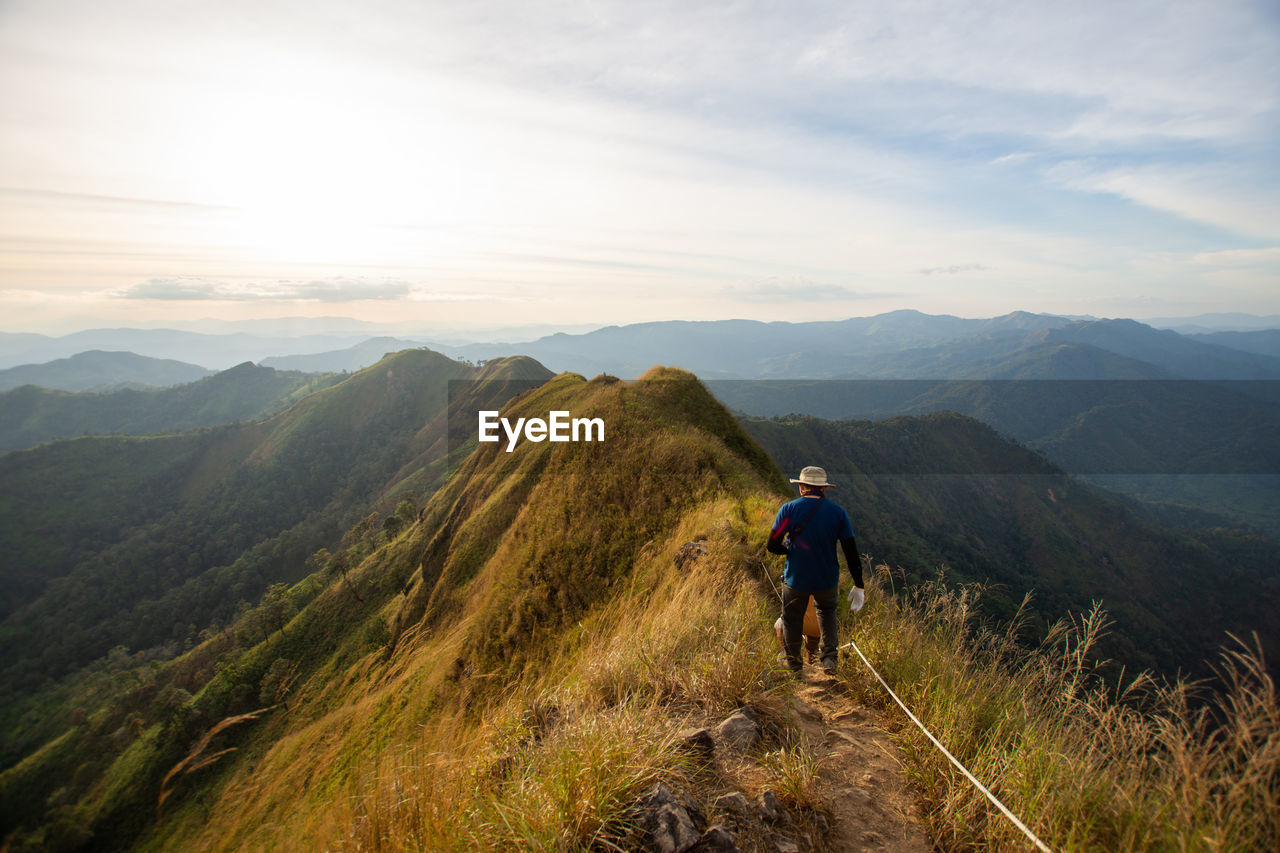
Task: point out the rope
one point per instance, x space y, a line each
1040 845
990 796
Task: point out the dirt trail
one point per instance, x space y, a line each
860 770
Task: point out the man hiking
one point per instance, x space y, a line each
807 530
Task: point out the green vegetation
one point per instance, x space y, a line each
31 415
1087 765
944 490
1207 445
509 667
152 544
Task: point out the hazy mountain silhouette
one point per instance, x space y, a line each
31 415
98 370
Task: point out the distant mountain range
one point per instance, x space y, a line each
1216 322
211 351
1263 342
347 360
1182 423
899 344
96 370
31 415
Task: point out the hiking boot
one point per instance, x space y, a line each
829 664
795 666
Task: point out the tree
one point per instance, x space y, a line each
277 606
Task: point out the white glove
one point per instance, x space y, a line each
856 599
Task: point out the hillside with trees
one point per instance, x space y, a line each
32 415
944 491
149 545
516 665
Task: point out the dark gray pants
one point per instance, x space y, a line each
794 603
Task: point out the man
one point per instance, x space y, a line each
807 530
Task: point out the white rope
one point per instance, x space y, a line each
990 796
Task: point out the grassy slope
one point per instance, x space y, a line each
534 567
511 670
144 541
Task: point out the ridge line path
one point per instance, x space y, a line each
859 772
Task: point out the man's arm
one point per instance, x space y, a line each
776 545
850 547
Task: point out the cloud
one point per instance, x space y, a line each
954 269
315 290
1235 197
170 289
776 289
1240 257
839 145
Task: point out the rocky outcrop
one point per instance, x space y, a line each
674 823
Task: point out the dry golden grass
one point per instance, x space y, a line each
555 763
1146 766
562 630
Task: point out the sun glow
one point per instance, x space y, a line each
327 170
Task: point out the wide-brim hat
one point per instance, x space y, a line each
812 475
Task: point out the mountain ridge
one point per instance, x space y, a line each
229 508
30 415
521 652
97 370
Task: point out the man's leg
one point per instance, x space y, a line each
828 601
793 607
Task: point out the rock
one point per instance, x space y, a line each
859 797
670 829
717 839
691 808
770 809
739 730
786 845
698 740
666 821
732 802
689 553
658 795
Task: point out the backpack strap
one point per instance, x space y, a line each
798 530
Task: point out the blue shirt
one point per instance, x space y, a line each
812 562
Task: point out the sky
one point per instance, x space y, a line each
445 165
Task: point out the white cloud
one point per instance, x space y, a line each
1268 257
331 290
953 269
1226 195
778 289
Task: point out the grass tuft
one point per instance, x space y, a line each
1087 765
